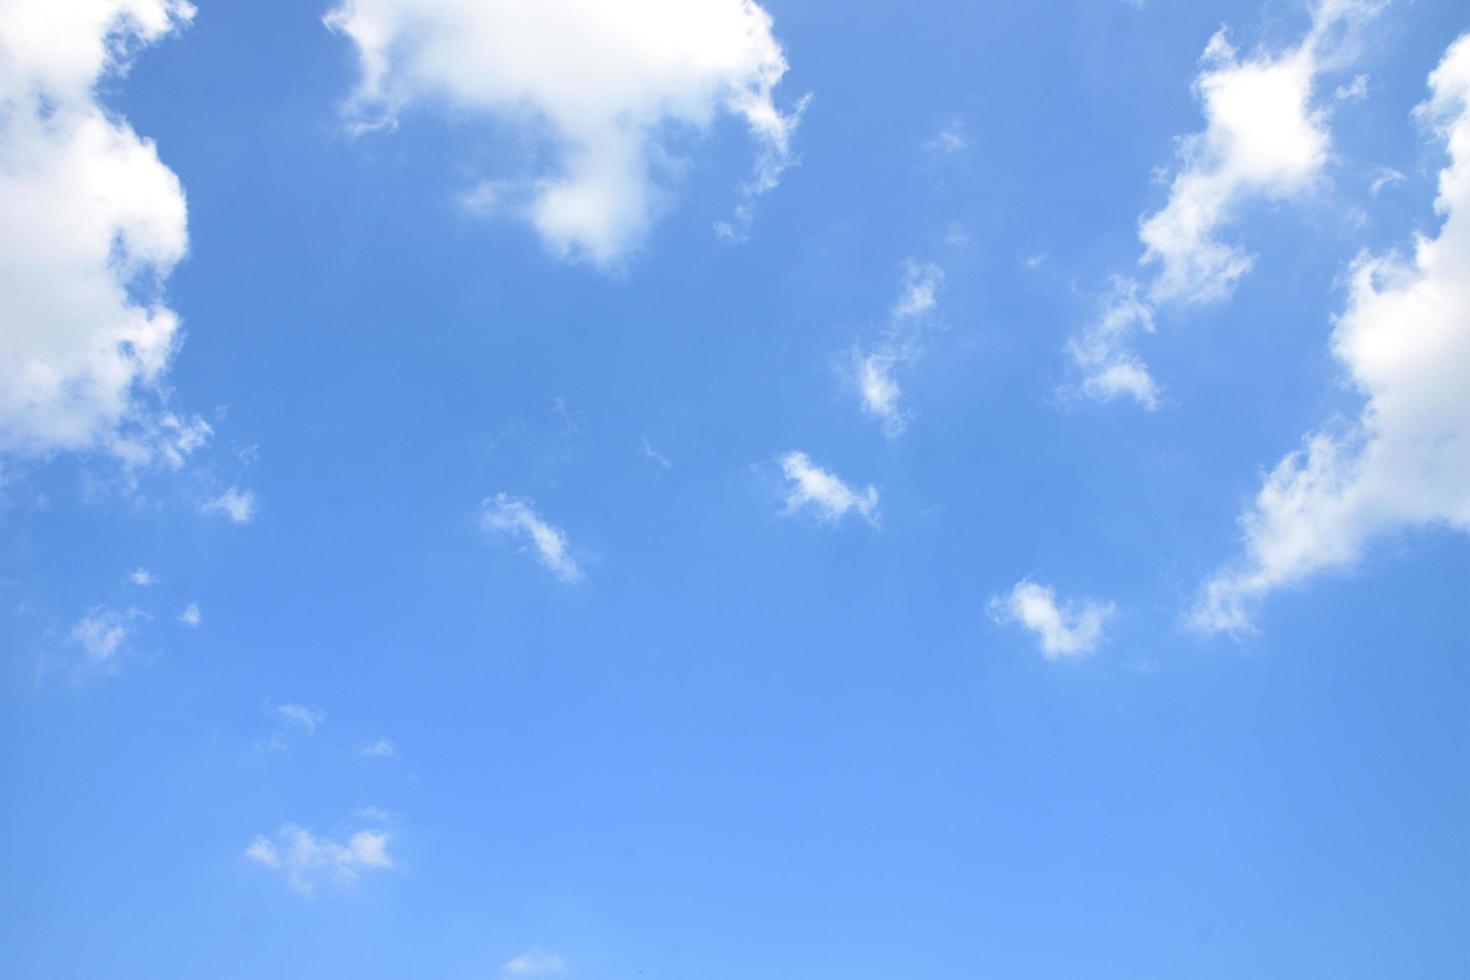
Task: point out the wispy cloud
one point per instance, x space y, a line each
142 577
307 861
304 718
1065 630
505 515
650 453
815 489
104 633
381 747
953 138
191 616
535 963
875 368
235 504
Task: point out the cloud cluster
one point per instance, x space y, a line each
815 489
307 861
1067 630
91 225
1404 339
609 87
506 515
1265 137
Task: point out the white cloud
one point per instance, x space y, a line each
1385 177
953 138
812 487
610 87
1404 338
1069 630
307 861
874 370
503 514
1110 368
1265 137
534 964
91 225
649 452
300 716
103 634
191 616
235 504
380 748
142 577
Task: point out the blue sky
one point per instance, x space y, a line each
706 490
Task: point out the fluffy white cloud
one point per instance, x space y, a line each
534 964
503 514
1265 137
142 577
307 861
237 505
191 616
91 224
874 370
1069 630
610 86
1404 338
813 488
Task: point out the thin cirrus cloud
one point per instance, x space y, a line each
610 86
875 369
814 490
307 861
91 225
1064 630
508 516
1265 137
1404 340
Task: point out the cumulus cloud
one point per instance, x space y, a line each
191 616
1067 630
91 225
813 488
237 505
610 87
1404 340
875 369
142 577
307 861
506 515
534 964
1265 138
